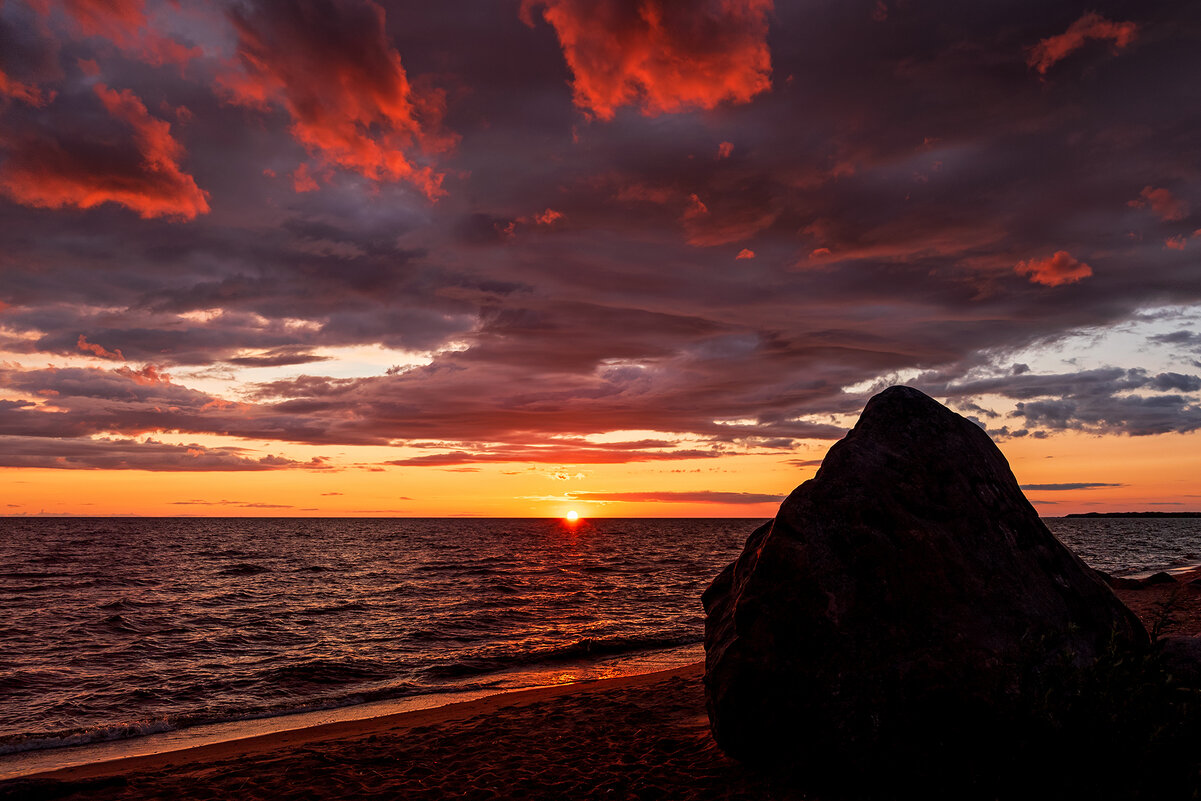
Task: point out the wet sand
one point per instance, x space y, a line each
644 737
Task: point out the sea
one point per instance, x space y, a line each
135 635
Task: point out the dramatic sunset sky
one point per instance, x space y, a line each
627 257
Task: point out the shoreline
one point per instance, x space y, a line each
640 736
38 761
394 723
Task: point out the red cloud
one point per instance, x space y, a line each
26 93
329 64
117 20
44 173
732 221
303 181
125 24
732 225
1054 49
1162 202
644 193
660 56
745 253
149 375
98 350
696 208
1055 270
724 150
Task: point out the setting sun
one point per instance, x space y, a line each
573 516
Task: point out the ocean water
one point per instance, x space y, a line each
116 628
120 627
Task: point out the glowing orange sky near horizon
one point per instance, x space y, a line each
1152 474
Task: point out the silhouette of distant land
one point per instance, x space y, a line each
1135 514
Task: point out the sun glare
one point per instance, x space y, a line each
573 516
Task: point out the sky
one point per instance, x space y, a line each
626 257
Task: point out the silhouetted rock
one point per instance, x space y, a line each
1158 578
907 604
1181 658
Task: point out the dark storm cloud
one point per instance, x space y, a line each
964 180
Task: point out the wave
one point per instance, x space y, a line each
119 623
333 609
581 649
245 569
326 671
14 744
120 731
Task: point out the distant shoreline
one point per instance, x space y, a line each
1135 514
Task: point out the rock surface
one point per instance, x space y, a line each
1181 658
907 603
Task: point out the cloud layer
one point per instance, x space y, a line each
583 233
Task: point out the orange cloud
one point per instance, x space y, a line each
1054 49
150 375
45 174
1055 270
745 254
98 350
331 67
547 217
1162 202
724 150
660 56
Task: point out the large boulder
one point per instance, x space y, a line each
906 604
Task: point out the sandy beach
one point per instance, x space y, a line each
643 736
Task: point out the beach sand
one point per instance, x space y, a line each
640 737
644 737
1168 608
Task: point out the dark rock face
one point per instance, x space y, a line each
1181 658
905 603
